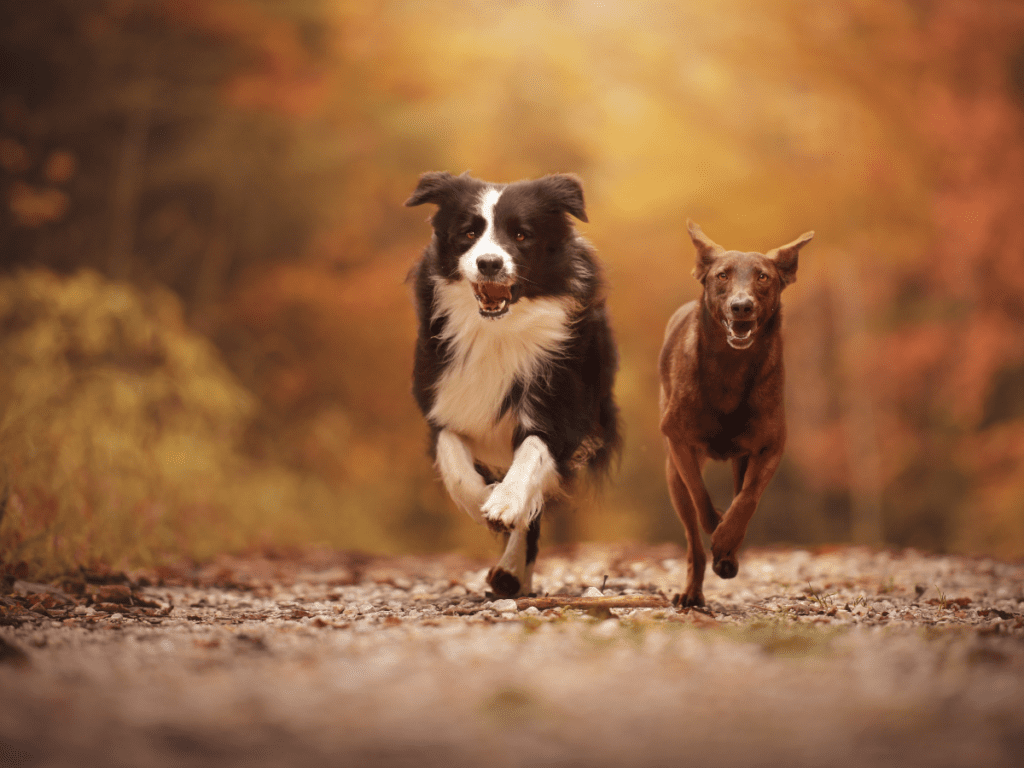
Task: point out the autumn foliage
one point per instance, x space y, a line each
233 170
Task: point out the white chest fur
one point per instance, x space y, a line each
487 358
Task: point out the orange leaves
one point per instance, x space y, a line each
34 206
283 75
994 459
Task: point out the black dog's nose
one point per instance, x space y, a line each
742 307
489 266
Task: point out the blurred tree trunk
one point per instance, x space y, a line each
858 407
126 188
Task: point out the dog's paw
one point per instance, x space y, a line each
496 526
689 599
503 583
504 508
726 568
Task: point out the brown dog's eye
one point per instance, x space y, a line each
520 237
762 277
722 276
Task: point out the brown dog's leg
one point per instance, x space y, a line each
739 469
688 467
695 556
726 539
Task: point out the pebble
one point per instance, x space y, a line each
592 592
505 606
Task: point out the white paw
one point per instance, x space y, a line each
504 506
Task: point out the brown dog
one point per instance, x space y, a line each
721 395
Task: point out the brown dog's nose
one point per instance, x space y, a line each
742 307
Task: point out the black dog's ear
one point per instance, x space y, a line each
566 191
707 250
787 256
433 188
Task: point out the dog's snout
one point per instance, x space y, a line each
489 266
742 307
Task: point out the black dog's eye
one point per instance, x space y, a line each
520 237
470 235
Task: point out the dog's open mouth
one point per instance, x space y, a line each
739 333
493 298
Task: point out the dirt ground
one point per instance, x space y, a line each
840 658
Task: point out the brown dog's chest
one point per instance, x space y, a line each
731 411
726 435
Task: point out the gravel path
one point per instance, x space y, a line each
840 658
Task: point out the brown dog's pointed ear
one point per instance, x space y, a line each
707 250
432 188
566 191
787 257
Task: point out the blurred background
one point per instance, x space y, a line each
205 331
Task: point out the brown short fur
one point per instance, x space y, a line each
721 395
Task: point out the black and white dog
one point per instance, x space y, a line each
515 359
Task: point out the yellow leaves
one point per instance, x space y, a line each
108 405
33 204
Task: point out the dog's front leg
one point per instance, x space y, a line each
728 537
693 595
511 576
517 500
464 484
688 466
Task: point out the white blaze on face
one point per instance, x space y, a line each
486 243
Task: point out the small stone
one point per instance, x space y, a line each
532 611
592 592
505 606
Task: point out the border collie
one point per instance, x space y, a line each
515 358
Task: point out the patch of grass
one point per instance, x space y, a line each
634 631
823 599
783 638
859 600
532 623
513 707
888 587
